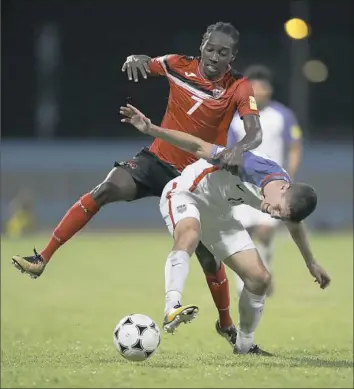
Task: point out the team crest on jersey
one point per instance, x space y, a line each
182 208
218 92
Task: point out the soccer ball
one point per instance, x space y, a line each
136 337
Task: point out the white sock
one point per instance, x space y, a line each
250 312
176 272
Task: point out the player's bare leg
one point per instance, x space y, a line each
265 238
118 186
186 238
264 235
218 283
248 265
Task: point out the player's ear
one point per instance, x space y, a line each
234 56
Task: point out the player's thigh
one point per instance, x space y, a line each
118 186
150 174
224 236
247 264
182 218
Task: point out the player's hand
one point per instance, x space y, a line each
135 63
136 118
321 276
230 159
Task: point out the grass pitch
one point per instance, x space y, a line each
57 331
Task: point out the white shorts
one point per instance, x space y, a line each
222 235
251 217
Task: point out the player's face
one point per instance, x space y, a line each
276 204
216 54
262 92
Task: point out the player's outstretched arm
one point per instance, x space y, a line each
182 140
135 64
298 233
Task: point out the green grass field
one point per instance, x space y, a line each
57 330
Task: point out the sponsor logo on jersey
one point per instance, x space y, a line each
253 104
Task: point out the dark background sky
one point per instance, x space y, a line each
96 36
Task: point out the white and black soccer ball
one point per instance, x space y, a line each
136 337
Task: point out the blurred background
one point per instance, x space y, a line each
62 86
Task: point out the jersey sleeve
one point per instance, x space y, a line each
244 99
259 170
292 131
158 64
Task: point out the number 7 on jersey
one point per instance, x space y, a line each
198 103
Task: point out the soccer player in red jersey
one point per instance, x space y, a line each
205 92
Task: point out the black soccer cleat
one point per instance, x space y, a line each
229 333
33 265
257 351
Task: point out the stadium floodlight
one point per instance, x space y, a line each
297 28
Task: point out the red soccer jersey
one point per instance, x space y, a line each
198 106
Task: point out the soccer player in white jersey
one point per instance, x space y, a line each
282 138
198 206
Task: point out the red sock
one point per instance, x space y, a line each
219 289
73 221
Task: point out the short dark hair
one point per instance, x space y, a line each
302 201
259 72
226 28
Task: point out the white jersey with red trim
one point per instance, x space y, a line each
209 186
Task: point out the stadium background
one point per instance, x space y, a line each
62 86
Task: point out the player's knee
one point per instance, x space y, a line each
107 192
187 235
259 282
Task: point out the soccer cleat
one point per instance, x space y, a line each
33 265
179 314
229 333
256 350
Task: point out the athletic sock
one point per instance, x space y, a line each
250 312
219 289
73 221
176 272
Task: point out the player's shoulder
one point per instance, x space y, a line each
236 75
261 161
180 60
262 168
236 79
